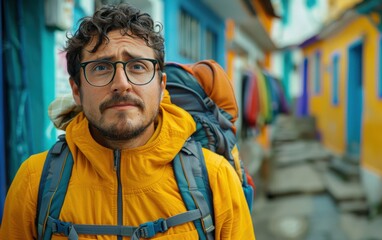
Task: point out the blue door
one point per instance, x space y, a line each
287 69
354 99
303 101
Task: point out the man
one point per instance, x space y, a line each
124 140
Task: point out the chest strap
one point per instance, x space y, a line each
145 230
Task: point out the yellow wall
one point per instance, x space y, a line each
338 7
331 120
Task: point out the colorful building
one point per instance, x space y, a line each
340 83
346 96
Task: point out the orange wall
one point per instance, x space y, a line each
265 19
331 119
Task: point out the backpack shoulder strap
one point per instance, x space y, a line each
53 185
192 178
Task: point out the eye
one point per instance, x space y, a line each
137 66
99 67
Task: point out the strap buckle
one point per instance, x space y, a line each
61 227
208 224
149 229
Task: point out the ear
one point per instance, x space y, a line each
75 91
163 85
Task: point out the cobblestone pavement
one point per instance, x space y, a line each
310 217
304 192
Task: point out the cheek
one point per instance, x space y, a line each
90 99
157 95
151 98
150 93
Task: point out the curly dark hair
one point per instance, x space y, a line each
130 20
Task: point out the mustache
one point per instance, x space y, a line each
117 98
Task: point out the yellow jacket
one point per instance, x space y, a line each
149 189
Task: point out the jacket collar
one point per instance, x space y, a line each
174 127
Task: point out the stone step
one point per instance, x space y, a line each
299 151
346 170
359 207
295 179
351 158
343 190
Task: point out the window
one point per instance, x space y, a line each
335 79
317 73
210 45
189 46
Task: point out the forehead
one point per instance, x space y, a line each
116 45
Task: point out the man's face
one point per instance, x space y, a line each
120 111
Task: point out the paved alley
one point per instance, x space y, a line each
304 191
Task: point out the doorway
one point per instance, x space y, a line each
303 104
354 100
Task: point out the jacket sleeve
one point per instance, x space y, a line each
19 215
232 215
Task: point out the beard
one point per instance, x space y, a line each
124 128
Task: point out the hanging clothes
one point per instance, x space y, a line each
252 107
263 97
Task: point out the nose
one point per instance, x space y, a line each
120 82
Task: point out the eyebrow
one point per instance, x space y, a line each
131 55
125 54
107 58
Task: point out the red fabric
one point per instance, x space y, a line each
250 180
252 107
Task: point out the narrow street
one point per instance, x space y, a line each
303 191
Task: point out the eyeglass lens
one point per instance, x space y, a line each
138 71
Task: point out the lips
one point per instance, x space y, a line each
118 101
121 105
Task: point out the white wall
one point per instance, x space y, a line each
295 77
302 24
62 86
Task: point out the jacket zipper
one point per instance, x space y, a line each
117 168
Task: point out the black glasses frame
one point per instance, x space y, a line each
114 64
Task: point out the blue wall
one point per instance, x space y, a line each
42 76
29 78
27 85
2 113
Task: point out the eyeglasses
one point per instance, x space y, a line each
139 71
